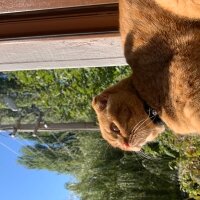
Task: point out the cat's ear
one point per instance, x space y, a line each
100 101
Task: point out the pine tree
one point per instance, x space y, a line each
102 172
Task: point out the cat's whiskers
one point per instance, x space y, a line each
147 130
133 132
143 155
141 121
142 135
139 129
148 118
153 117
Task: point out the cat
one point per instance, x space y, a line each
163 49
184 8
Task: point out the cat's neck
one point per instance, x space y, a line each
151 88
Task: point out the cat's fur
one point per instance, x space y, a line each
184 8
163 49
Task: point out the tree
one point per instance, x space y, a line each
103 172
64 96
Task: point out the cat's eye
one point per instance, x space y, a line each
114 128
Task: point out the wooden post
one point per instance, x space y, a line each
53 127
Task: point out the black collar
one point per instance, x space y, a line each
153 115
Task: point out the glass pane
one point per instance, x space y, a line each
39 110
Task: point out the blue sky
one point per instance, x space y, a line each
20 183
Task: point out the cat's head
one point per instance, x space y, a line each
124 120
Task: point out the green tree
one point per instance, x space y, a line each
64 96
54 152
103 172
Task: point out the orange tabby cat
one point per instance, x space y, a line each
185 8
162 47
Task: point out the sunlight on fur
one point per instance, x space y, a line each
162 47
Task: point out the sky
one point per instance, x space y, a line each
20 183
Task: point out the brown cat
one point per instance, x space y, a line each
184 8
163 49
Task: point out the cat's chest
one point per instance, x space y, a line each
184 82
182 108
